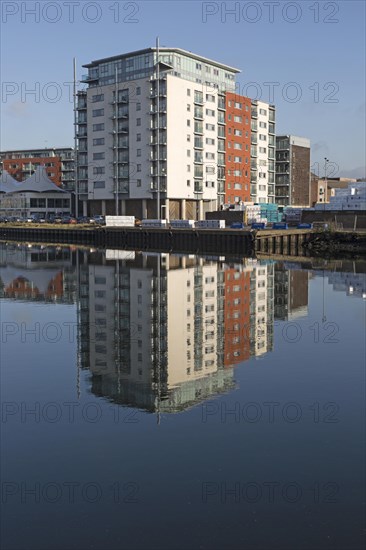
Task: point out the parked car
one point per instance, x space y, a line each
100 220
82 219
68 219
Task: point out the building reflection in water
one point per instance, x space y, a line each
37 273
164 332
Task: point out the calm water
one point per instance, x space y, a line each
178 402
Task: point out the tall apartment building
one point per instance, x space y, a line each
173 129
59 163
146 134
293 171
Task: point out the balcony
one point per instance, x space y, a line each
154 93
198 98
198 128
254 113
91 77
221 118
198 113
198 187
221 104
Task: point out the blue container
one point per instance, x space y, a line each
305 226
258 225
280 225
237 225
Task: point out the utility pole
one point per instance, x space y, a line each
116 141
76 169
158 216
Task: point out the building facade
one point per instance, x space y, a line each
292 171
263 153
173 133
59 163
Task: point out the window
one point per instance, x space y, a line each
188 92
188 152
262 137
138 106
98 156
138 152
262 112
98 97
238 118
263 125
237 132
188 107
98 127
188 168
210 141
98 141
210 97
188 137
188 183
138 183
210 127
138 137
210 156
210 112
98 170
237 159
138 122
188 122
238 105
198 66
263 149
138 168
138 90
98 112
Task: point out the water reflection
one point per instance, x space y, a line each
164 332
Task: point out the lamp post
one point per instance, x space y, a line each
326 161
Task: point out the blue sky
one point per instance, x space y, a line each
313 51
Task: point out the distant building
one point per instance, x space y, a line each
352 197
37 195
58 161
324 188
292 171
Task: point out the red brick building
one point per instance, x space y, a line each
237 148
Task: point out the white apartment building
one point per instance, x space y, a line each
263 152
147 129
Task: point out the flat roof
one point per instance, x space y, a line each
162 49
38 149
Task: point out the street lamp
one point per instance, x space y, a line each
326 161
